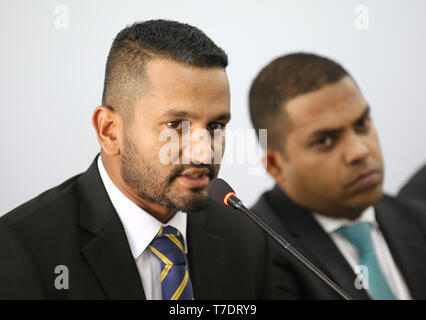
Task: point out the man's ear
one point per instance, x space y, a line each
109 129
274 163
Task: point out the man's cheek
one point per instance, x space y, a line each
320 176
168 148
374 143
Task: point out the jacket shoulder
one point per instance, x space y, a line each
404 205
405 209
57 196
415 187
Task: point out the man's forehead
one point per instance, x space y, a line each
334 105
183 112
177 93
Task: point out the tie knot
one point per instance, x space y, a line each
168 230
360 236
168 246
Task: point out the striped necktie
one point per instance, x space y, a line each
360 236
167 246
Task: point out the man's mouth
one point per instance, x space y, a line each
195 178
365 180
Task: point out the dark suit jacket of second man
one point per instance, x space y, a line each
403 225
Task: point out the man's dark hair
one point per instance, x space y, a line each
281 80
125 76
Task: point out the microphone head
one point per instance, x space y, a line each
220 191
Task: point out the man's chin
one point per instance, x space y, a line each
187 200
193 204
368 198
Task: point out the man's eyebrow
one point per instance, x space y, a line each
177 113
326 132
224 116
183 114
364 115
336 131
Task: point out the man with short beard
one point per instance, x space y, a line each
138 223
324 154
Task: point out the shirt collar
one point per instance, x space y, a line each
330 224
140 227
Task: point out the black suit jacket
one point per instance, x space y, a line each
402 224
75 224
415 188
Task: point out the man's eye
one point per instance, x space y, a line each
177 125
363 125
324 142
215 125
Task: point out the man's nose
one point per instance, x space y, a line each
356 150
198 148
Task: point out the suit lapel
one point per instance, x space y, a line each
313 242
108 252
318 245
206 258
406 244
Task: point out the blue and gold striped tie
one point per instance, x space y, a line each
167 246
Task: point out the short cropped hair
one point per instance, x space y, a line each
125 75
282 80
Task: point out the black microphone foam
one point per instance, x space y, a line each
217 189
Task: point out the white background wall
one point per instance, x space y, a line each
51 79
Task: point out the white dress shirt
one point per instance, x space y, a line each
387 264
141 228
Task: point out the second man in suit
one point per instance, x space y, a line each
324 155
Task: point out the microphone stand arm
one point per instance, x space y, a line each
236 203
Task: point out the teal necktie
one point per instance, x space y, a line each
360 236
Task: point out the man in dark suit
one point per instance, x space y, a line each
415 188
138 223
323 153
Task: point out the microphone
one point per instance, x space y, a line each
221 192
